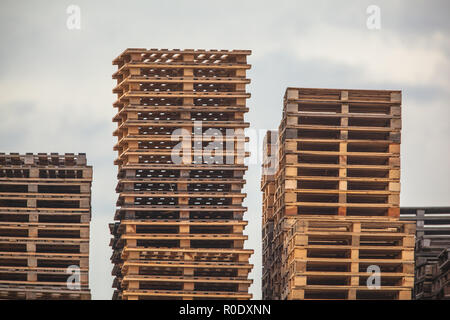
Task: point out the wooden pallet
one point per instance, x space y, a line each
179 229
339 153
441 286
425 273
269 167
44 225
432 222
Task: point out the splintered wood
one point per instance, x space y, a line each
331 198
45 210
179 230
432 273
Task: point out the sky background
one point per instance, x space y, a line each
56 83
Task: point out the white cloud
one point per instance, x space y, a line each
382 56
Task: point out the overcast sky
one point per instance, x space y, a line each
56 83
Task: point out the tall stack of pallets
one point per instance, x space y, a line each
336 203
45 210
179 230
432 267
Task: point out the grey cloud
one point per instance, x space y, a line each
58 84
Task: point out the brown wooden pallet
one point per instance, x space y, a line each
172 83
237 170
34 174
47 216
162 212
182 236
143 93
180 254
136 158
12 185
151 278
175 104
181 194
329 204
349 293
125 109
129 183
188 267
187 283
444 259
425 275
347 95
43 196
181 70
268 185
333 253
169 124
180 241
183 212
344 173
44 225
178 229
430 246
176 82
325 115
341 132
181 270
383 155
34 259
43 230
43 159
178 226
44 166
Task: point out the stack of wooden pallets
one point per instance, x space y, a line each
179 230
432 274
336 201
45 210
330 258
268 190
